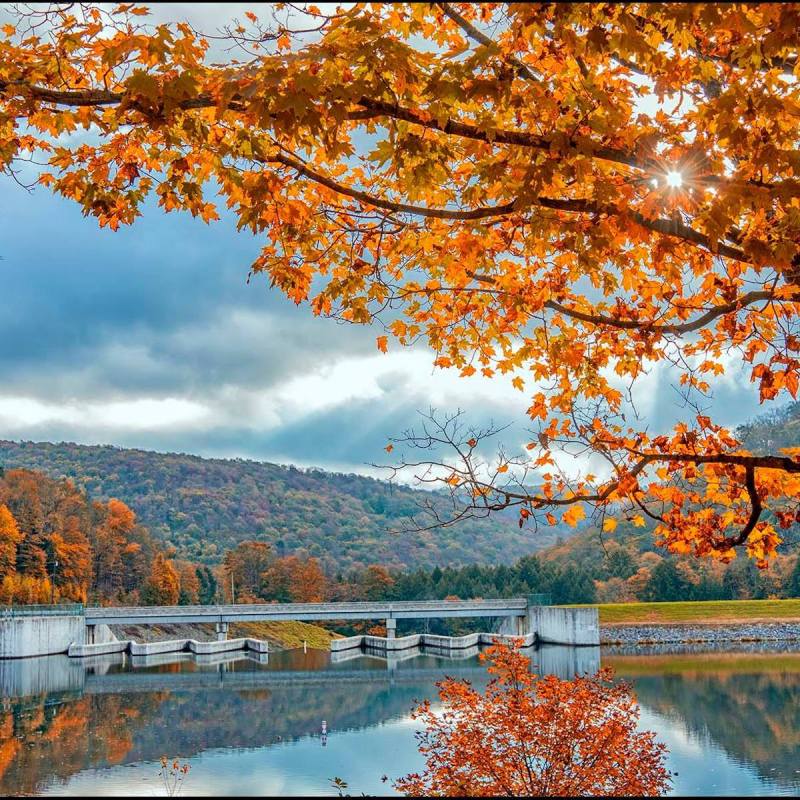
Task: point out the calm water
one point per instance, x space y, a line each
731 720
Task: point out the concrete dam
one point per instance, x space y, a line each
27 631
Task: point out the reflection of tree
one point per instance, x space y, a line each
754 716
54 736
745 705
57 735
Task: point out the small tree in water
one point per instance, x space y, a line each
529 736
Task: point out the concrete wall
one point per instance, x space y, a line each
221 646
573 626
513 626
144 649
25 636
99 634
526 640
401 643
152 648
471 640
450 642
348 643
102 649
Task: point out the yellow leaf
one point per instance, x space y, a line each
609 525
638 521
574 515
383 343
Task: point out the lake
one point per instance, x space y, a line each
731 719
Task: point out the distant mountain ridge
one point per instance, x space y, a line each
203 506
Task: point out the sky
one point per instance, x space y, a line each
152 337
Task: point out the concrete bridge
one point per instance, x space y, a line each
28 631
515 610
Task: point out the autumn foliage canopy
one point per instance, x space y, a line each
564 196
533 737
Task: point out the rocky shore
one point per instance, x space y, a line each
716 633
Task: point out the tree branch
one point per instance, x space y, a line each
483 39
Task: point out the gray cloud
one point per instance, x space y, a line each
157 308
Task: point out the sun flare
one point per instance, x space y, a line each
674 179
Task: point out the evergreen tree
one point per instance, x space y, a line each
791 588
666 583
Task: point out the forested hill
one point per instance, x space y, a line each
205 506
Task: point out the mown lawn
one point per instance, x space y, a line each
699 611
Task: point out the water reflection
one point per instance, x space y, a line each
745 703
250 725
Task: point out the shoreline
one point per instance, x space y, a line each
654 633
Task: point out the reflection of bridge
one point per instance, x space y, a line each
238 672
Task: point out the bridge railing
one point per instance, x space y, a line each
41 610
277 608
540 599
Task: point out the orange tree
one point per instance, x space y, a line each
563 194
528 737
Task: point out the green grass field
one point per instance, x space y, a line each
699 611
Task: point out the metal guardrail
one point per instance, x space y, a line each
540 599
39 610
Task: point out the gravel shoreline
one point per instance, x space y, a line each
691 633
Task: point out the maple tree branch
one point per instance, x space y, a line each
503 136
666 227
373 107
391 205
470 494
615 322
755 513
686 327
482 38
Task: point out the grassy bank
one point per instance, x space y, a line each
281 635
285 634
710 611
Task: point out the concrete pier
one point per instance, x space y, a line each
25 633
170 646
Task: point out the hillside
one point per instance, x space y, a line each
205 506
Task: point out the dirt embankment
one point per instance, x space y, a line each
280 635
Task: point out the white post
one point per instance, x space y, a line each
391 628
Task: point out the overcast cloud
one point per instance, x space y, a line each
152 337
